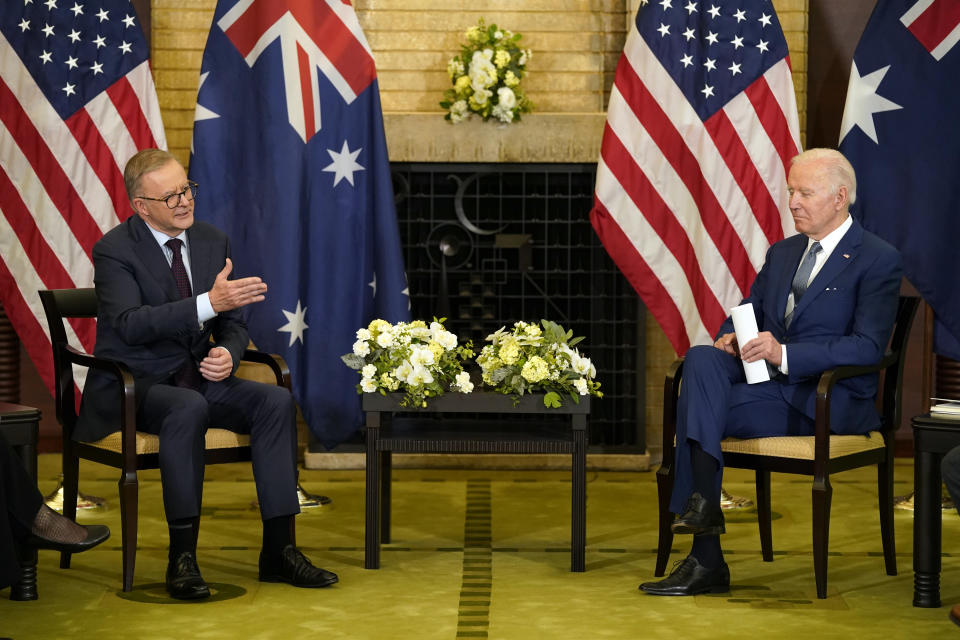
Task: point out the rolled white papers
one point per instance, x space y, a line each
745 326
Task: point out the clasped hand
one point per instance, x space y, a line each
763 347
217 365
231 294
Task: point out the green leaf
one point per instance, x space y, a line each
552 400
353 361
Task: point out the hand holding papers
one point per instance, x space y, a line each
745 326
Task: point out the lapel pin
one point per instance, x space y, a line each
847 256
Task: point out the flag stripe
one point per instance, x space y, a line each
128 106
650 205
307 96
97 152
640 275
772 120
58 186
738 160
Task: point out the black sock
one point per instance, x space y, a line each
707 551
182 536
704 468
276 535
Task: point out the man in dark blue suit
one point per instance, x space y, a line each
169 312
825 297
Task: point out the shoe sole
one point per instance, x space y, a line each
279 579
715 589
197 596
706 531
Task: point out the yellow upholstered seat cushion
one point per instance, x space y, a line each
149 443
801 447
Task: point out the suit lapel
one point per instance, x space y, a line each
842 256
199 261
152 257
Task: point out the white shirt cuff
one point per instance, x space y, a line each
783 360
204 308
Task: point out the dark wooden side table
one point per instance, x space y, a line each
496 433
932 437
21 427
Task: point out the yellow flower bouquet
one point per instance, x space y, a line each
538 357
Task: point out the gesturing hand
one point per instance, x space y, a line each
217 365
231 294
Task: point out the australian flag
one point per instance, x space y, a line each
291 161
900 132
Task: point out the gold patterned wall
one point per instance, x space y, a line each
576 45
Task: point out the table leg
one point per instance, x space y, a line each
927 521
578 511
386 502
26 587
372 546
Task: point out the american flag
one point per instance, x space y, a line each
77 99
691 182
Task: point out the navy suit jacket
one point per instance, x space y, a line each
143 322
844 318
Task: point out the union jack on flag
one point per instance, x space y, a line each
290 152
77 99
691 182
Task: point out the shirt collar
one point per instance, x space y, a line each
832 239
162 238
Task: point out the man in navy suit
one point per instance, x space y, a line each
168 310
825 297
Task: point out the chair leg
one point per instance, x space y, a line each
665 539
71 473
885 493
128 525
764 515
822 495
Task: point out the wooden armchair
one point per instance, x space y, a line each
818 455
126 449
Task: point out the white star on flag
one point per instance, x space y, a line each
373 285
863 101
296 323
344 164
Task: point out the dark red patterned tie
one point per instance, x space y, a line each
187 376
179 271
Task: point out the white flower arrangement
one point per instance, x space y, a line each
534 357
421 360
486 76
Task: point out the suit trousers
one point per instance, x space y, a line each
20 500
181 416
715 402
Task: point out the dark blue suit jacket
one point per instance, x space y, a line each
844 318
143 323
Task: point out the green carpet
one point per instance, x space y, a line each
484 554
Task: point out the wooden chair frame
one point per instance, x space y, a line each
820 467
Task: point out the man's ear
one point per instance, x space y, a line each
842 197
139 207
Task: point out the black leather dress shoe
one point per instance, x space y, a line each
96 533
294 568
689 578
184 581
700 518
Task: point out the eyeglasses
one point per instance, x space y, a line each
174 199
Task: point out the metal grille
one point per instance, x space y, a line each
487 245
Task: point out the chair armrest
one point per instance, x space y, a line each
829 379
276 363
128 405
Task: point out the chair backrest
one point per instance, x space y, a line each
60 305
890 394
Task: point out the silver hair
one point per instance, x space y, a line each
839 169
